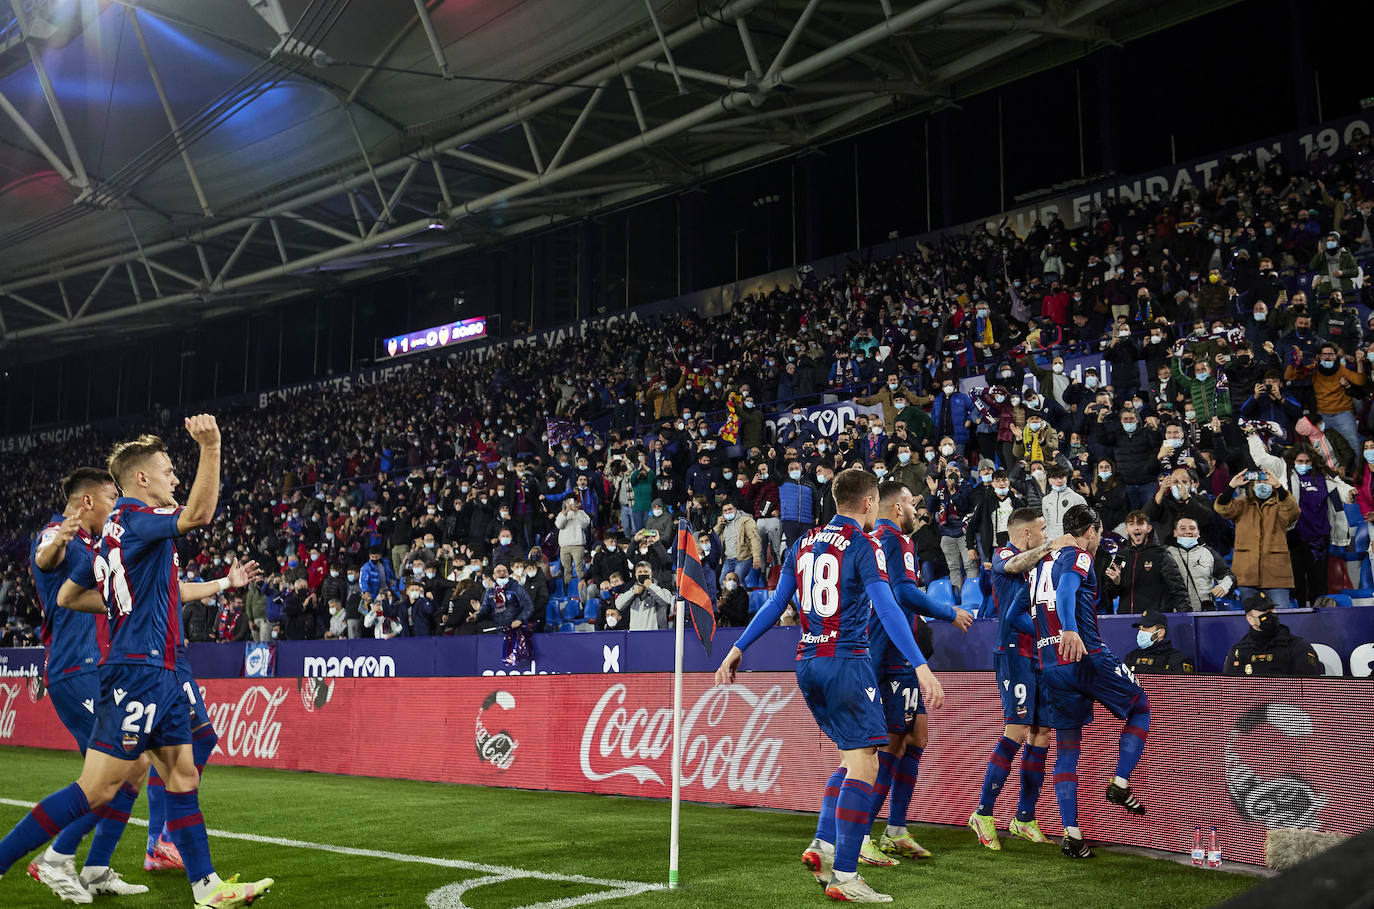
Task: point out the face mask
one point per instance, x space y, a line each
892 386
1328 364
1156 339
1332 246
1187 542
822 478
1038 473
333 574
1174 443
1268 623
414 595
1001 491
1303 469
502 582
730 585
1190 415
1006 373
1144 639
274 634
899 404
728 474
657 512
333 610
947 450
1202 376
731 516
949 389
1124 333
1104 474
1263 490
739 484
293 563
930 455
880 472
1369 455
1090 381
796 474
1035 426
821 447
352 577
1058 368
1000 399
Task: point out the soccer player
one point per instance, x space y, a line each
71 674
141 705
908 731
1076 668
839 573
1016 681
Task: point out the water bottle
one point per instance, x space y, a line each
1213 849
1198 854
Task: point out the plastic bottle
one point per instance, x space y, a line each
1213 849
1199 855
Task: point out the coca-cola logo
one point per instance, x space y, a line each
618 741
7 713
496 748
249 728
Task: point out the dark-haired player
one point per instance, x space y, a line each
1077 668
1016 672
839 574
71 674
142 706
899 761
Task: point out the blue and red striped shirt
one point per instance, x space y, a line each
69 637
1051 620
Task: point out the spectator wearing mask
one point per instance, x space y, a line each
1198 379
1037 441
420 610
825 502
1332 377
1142 574
1340 324
741 548
888 397
380 620
573 524
1058 499
1269 648
647 546
198 620
796 504
952 414
1262 511
949 503
608 558
1108 496
1178 496
732 611
661 522
255 610
1206 576
1154 653
506 604
1335 267
987 527
708 548
644 601
1136 446
377 575
334 587
338 623
536 586
1321 521
1270 404
298 611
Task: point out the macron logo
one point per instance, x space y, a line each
895 686
871 692
119 695
89 705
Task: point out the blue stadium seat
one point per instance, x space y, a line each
941 591
566 628
593 609
756 600
572 610
553 612
559 589
1360 597
971 598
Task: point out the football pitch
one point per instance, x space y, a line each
355 841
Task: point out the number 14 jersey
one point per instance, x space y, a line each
831 566
1046 613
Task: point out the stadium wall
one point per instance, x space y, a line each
1243 755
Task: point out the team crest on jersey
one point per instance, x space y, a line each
1149 565
1020 711
130 741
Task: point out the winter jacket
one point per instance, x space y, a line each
1149 580
1136 463
1053 504
1279 652
1202 568
504 605
648 609
1261 558
749 548
798 501
980 534
1208 400
1160 657
961 411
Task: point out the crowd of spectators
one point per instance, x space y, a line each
1229 429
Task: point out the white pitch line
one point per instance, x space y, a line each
444 895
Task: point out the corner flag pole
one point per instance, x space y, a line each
677 745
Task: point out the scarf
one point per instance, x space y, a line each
946 510
1034 450
985 330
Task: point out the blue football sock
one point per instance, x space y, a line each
825 824
903 784
1068 744
203 742
999 768
1032 781
1133 738
187 829
851 823
114 817
887 763
43 823
71 836
157 808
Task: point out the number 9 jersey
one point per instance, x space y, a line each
135 570
830 567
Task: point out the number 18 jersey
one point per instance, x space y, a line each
831 567
1045 611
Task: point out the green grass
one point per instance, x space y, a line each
730 857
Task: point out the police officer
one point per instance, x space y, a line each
1155 652
1270 648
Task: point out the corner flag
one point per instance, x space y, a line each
691 585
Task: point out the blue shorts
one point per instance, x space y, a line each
902 700
74 698
843 696
139 708
1017 684
191 688
1067 692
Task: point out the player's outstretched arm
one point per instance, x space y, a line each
1025 561
239 575
1019 618
204 495
764 619
78 599
51 552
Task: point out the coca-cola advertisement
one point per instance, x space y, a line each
1243 755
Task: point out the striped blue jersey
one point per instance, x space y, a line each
69 637
135 570
1046 611
899 552
1010 594
830 567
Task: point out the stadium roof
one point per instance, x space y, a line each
164 161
